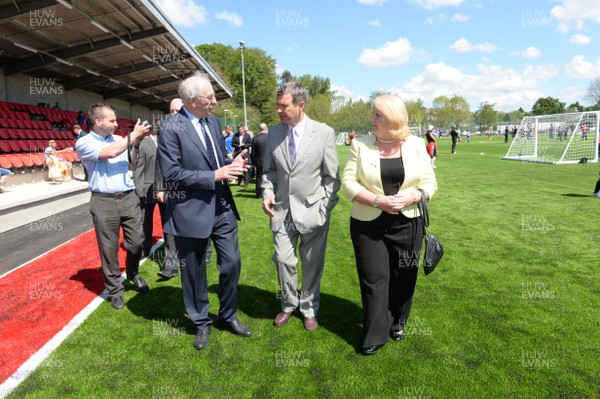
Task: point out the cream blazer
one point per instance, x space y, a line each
363 171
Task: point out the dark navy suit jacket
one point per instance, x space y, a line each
189 180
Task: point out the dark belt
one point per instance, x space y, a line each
118 195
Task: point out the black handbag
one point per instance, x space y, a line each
432 247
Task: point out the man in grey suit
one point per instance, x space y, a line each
200 205
300 185
148 182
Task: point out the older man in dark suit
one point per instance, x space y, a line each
200 205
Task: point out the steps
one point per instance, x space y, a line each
24 204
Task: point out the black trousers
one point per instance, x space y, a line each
387 259
147 205
110 214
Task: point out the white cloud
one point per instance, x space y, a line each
342 91
390 54
531 53
578 67
373 2
194 14
580 39
574 13
375 23
292 48
230 17
462 45
572 94
509 89
435 20
458 17
434 4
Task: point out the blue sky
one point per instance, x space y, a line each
507 52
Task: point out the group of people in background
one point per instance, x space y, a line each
185 168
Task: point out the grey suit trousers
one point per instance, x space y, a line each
312 255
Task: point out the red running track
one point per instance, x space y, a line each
40 298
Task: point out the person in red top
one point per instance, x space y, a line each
351 135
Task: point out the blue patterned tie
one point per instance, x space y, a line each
292 150
208 144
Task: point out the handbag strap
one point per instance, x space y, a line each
423 209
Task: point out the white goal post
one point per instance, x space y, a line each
342 138
557 138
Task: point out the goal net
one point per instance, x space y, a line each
558 138
342 138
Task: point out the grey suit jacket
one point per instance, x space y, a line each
308 190
143 176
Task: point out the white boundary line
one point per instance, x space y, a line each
37 358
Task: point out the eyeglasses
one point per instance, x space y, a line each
209 98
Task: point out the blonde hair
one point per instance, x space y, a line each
392 107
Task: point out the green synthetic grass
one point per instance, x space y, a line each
511 311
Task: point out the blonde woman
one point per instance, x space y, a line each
382 178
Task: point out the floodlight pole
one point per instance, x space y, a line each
242 45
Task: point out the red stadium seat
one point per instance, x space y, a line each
16 160
5 162
23 145
30 134
31 145
5 147
68 155
14 145
4 123
27 160
4 134
39 159
13 123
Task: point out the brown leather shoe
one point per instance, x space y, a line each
310 324
282 318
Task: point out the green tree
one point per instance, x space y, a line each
318 107
486 116
351 116
261 78
593 93
547 105
417 113
315 85
453 111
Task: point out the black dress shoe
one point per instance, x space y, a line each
201 338
117 302
236 327
140 284
370 350
168 273
397 333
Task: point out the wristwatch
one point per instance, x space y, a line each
376 202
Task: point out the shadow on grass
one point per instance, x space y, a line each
162 303
573 195
246 194
337 315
